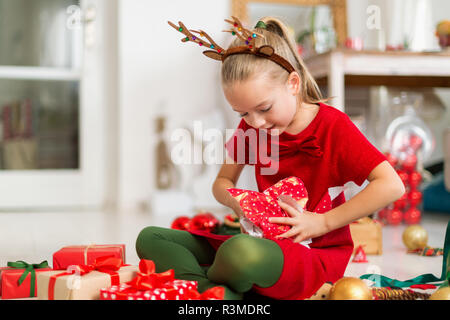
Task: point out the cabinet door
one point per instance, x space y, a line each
50 118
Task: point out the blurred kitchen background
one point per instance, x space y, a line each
92 90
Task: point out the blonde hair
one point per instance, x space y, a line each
243 66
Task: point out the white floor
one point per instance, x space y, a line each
33 237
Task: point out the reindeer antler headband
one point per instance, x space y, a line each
220 54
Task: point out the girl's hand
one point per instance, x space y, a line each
305 225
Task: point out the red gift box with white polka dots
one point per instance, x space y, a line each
173 290
259 207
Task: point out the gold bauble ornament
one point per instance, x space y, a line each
349 288
415 237
441 294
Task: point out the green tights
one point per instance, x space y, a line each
239 263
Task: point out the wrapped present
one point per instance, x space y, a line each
149 285
83 282
367 232
86 254
18 280
259 207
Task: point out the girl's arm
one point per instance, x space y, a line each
227 178
384 188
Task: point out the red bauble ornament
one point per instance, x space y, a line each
415 197
410 162
394 216
203 221
381 215
403 176
415 178
391 159
415 142
412 216
401 203
181 223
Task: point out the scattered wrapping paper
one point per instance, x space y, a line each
17 283
148 285
259 207
83 282
86 254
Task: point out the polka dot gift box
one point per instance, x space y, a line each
259 207
149 285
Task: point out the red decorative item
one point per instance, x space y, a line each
412 216
181 223
106 264
203 221
415 197
391 159
415 179
410 162
403 176
148 285
382 214
259 207
415 142
9 283
402 202
394 216
86 254
360 255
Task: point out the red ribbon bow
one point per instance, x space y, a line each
309 145
106 264
148 279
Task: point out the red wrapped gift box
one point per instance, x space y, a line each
9 283
148 285
86 254
173 290
259 207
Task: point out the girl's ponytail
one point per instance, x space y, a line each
310 90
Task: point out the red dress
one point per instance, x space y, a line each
329 152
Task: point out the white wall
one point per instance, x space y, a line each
157 71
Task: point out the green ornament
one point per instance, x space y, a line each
180 29
261 25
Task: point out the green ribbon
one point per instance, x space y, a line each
29 268
383 281
261 25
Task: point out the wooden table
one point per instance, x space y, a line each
341 67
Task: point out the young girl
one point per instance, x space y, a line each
318 144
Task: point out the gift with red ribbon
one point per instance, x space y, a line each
18 280
259 207
149 285
83 282
86 254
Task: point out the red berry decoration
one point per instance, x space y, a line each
415 197
382 214
403 176
402 202
391 159
415 178
181 223
394 216
412 216
415 142
410 162
204 221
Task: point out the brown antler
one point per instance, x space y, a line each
242 33
218 50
